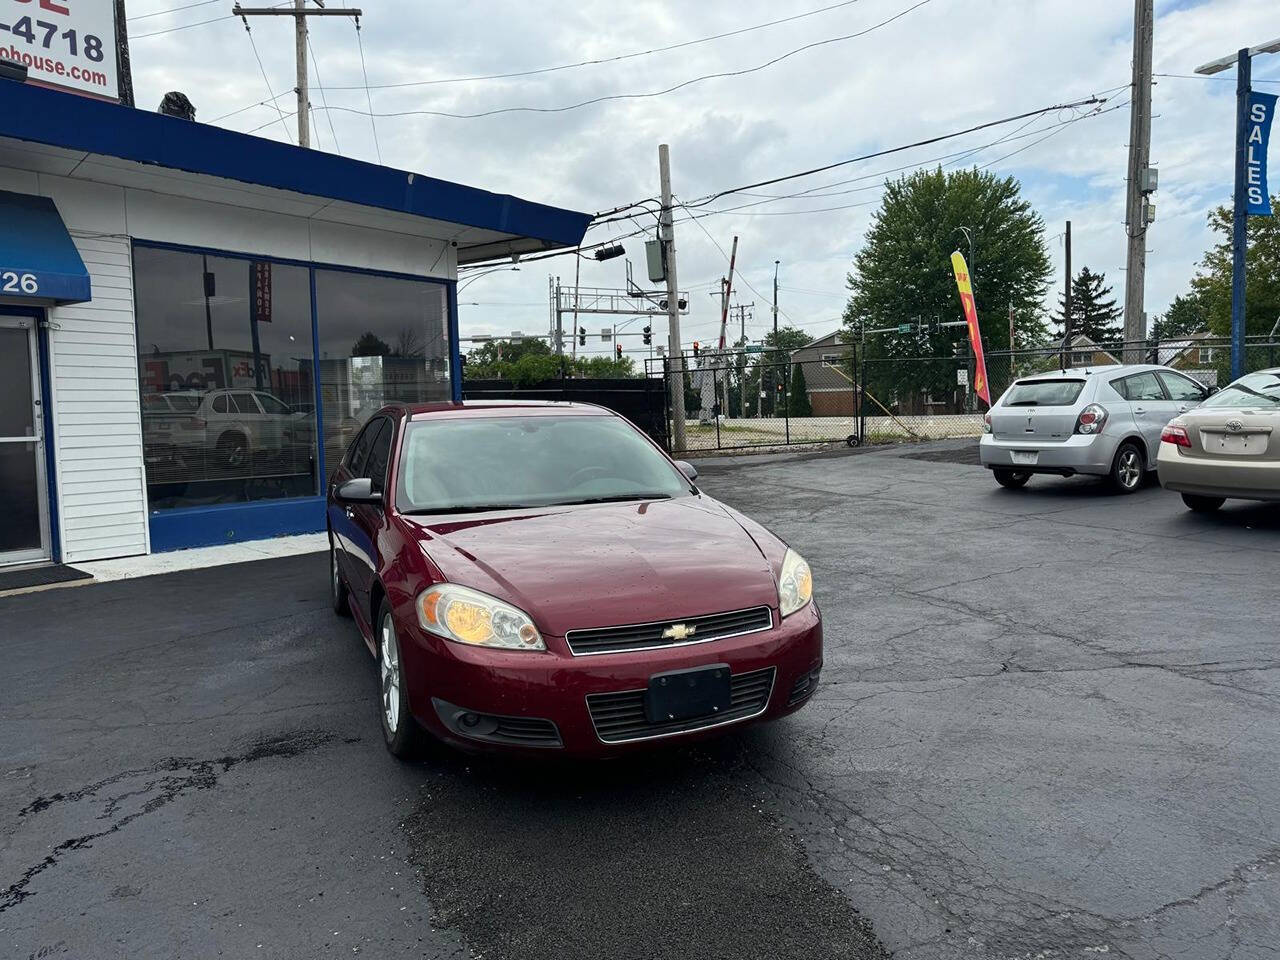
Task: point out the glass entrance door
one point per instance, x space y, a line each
24 519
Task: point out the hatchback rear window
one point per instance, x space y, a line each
1044 393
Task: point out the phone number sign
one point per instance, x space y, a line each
70 44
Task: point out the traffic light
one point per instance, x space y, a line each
648 336
681 303
696 348
582 336
617 349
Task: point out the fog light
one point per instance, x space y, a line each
469 720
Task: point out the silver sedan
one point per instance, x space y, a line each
1228 447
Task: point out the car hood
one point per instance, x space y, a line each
601 565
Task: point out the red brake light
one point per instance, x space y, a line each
1176 434
986 423
1092 419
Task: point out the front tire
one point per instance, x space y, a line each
1128 468
1199 504
1011 479
400 732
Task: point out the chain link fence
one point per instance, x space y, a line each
740 400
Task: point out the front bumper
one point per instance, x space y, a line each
554 686
1078 453
1217 477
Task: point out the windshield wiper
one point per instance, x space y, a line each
618 498
469 508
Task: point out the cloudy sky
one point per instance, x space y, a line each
918 70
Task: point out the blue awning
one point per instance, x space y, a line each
38 261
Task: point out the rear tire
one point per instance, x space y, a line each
1199 504
400 732
1011 479
339 595
1128 468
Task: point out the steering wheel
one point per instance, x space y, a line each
582 475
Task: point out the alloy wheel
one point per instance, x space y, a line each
389 666
1130 470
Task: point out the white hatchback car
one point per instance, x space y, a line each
1103 421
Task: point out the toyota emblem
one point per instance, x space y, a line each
1235 426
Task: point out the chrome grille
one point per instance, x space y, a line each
619 717
643 636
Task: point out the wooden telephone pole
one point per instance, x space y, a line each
299 12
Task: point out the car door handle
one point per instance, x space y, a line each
351 514
1139 409
1182 408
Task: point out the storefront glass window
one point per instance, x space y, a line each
381 339
225 358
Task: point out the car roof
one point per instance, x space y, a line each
502 408
1101 370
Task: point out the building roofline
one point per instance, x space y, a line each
69 121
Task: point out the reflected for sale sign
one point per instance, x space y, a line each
68 44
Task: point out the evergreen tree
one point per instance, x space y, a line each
798 404
1093 310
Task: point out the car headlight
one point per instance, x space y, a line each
795 586
468 616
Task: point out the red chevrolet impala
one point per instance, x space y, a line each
541 576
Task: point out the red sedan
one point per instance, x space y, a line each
542 577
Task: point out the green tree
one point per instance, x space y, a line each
903 274
370 344
1211 285
769 370
527 362
1185 316
1094 313
798 404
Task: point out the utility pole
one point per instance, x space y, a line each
1066 300
300 11
1135 213
123 73
676 381
775 302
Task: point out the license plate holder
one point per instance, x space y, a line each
686 694
1024 458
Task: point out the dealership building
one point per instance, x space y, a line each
194 323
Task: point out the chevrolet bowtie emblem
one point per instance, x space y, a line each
678 631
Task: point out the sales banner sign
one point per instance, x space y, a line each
961 270
68 44
261 272
1262 107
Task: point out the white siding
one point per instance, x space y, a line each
101 479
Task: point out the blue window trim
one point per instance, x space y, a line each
178 528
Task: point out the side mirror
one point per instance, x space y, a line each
688 469
1210 391
359 490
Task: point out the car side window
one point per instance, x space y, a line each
1119 387
273 406
360 448
379 453
1143 386
244 403
1182 388
220 403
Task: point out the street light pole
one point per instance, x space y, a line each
1243 62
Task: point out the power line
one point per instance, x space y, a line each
161 13
315 64
373 124
185 26
604 60
280 114
653 93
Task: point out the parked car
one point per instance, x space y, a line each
232 426
542 577
1101 421
1228 447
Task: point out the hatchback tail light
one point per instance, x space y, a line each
986 423
1092 419
1176 434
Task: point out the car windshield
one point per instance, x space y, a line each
1251 390
508 462
1044 393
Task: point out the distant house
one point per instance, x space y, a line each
1197 355
1087 353
828 375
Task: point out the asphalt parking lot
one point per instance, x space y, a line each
1047 727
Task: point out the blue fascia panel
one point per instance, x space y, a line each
73 122
38 261
232 523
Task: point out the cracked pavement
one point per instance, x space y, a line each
1048 719
1047 727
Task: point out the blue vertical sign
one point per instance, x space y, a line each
1262 107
